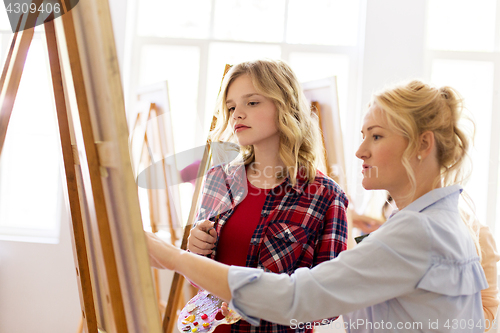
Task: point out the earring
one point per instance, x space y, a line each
419 157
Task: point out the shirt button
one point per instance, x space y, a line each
264 214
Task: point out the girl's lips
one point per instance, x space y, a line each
240 128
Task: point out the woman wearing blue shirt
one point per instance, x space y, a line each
420 271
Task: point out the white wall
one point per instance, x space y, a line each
392 51
393 44
38 286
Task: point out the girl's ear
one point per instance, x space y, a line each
426 143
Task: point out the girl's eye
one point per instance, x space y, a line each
376 137
230 109
253 103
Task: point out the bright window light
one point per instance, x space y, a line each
478 97
249 20
323 22
461 25
173 18
181 72
30 184
4 21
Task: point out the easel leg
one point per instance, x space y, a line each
79 244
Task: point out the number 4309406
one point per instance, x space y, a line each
24 8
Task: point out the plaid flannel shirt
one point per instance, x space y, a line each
300 226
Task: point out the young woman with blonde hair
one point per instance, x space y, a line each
272 209
419 271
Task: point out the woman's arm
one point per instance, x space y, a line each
383 266
204 272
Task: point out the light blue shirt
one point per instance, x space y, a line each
418 272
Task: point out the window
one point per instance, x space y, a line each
162 19
252 21
478 94
466 57
182 70
461 25
30 173
188 44
323 22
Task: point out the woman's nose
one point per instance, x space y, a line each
362 152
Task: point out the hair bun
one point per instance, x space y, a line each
446 92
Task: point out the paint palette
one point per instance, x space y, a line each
202 314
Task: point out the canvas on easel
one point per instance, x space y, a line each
323 96
154 163
112 266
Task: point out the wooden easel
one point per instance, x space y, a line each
169 318
149 142
114 279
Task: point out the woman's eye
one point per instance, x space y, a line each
253 103
230 109
376 137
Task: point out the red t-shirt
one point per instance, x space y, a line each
235 236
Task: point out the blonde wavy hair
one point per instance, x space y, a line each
416 107
298 127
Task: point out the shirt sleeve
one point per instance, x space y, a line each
388 263
333 239
489 261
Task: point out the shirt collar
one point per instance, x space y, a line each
300 184
430 198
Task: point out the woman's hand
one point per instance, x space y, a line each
202 238
202 271
161 254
